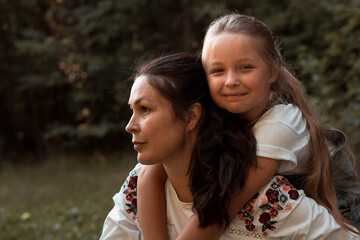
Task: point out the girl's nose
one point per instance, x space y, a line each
232 79
132 126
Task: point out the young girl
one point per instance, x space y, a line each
247 76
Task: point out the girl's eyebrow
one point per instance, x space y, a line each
239 60
215 63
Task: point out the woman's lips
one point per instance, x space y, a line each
138 145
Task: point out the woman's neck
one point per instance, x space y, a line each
177 169
179 178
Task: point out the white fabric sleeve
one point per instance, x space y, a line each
282 134
275 140
122 222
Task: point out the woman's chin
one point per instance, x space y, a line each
145 161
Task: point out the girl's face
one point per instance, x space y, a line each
238 77
157 134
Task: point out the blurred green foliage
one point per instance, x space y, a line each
64 64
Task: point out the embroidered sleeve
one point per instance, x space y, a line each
122 221
129 190
272 204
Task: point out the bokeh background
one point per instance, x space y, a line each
64 66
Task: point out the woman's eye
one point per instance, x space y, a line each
144 109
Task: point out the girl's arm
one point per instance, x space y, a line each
151 202
258 177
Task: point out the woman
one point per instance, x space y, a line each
171 111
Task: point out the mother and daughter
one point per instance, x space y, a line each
217 145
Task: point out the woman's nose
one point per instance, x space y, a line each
132 125
232 79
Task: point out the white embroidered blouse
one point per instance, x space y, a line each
278 211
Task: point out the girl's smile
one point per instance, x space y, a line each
234 96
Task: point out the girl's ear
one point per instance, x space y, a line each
274 75
193 116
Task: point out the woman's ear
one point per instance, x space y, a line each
193 116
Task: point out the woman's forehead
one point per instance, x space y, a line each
142 90
139 89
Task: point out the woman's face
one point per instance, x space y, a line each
158 136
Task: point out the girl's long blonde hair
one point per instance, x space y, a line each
319 182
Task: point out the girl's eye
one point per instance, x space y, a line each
246 67
217 70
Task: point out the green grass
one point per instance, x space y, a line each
60 198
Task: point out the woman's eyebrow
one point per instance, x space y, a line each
137 101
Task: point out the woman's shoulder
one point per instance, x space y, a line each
122 221
127 196
130 184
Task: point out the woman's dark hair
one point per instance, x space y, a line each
224 151
180 78
225 147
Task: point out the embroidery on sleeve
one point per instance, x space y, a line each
275 202
130 191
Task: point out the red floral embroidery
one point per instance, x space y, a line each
285 188
272 195
129 197
130 192
248 222
274 212
275 200
264 200
250 227
293 194
289 207
264 217
249 207
133 182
